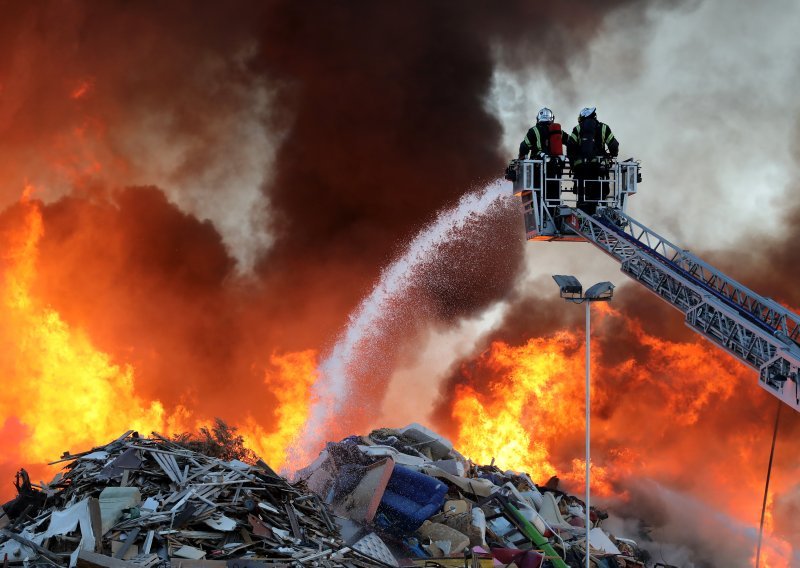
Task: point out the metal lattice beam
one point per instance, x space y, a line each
763 309
755 330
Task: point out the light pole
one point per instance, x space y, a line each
572 291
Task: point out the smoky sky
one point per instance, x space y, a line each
378 112
221 183
378 116
388 113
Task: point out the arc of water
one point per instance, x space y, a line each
331 391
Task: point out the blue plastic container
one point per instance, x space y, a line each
410 499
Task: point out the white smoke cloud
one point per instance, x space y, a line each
228 190
679 529
703 95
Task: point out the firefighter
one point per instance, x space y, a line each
590 143
538 142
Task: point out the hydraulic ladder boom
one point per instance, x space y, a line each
754 329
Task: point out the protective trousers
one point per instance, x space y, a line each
592 181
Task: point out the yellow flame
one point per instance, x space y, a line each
514 421
56 383
290 382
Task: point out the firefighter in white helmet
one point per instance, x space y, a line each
545 140
537 140
589 144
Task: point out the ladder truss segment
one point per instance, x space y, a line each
763 309
755 330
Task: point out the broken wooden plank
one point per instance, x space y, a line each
146 560
315 556
200 472
97 522
30 544
292 514
190 552
129 540
169 466
187 563
148 542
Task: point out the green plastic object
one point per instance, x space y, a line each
534 535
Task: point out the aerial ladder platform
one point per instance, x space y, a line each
756 330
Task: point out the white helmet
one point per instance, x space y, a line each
545 115
586 112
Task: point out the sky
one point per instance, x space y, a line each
220 188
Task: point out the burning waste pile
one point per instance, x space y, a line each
394 498
153 502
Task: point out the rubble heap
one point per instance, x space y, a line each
429 503
142 502
393 498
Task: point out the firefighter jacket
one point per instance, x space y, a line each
589 140
537 140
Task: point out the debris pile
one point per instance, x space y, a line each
146 502
429 503
401 497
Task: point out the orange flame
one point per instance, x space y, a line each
290 382
63 391
511 421
655 413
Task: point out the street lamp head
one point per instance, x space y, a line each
572 290
602 291
569 286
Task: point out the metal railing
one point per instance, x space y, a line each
544 185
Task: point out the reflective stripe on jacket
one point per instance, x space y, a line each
606 138
535 141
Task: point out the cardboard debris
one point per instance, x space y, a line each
363 502
189 552
113 501
392 498
453 540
